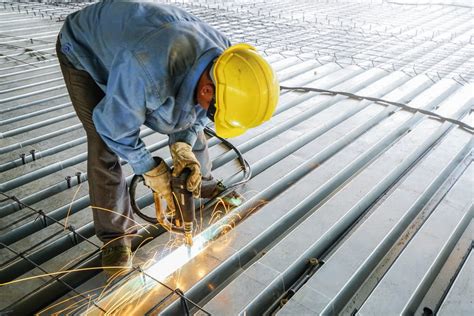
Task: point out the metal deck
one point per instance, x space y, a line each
354 207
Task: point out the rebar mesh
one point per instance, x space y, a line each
431 39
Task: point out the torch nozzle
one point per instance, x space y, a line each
188 233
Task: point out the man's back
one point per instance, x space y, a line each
93 37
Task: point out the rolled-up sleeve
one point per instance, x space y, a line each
119 116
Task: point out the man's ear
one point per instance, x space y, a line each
205 94
207 90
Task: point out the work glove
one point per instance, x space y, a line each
183 157
158 179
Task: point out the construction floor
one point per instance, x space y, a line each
354 206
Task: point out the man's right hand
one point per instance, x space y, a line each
158 179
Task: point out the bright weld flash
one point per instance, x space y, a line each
183 254
178 258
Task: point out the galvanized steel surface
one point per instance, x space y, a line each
353 206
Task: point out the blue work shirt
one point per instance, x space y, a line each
148 59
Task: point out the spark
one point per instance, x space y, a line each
70 298
110 281
147 263
130 296
148 296
70 306
88 304
116 293
215 216
123 299
74 311
139 246
138 225
127 217
173 256
119 237
201 219
141 291
70 262
60 272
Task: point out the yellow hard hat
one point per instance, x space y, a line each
247 90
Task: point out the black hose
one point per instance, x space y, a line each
244 163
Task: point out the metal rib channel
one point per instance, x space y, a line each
23 79
279 65
31 85
35 64
30 46
340 276
291 272
40 195
299 68
459 298
33 126
56 149
288 218
20 38
43 53
20 72
449 221
48 252
37 174
38 139
323 71
21 106
35 39
31 28
18 97
36 113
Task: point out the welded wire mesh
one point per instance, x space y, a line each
432 39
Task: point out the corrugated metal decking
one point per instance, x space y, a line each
353 206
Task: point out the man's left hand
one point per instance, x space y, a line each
183 157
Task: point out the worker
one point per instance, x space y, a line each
128 64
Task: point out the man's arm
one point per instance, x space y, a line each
119 116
